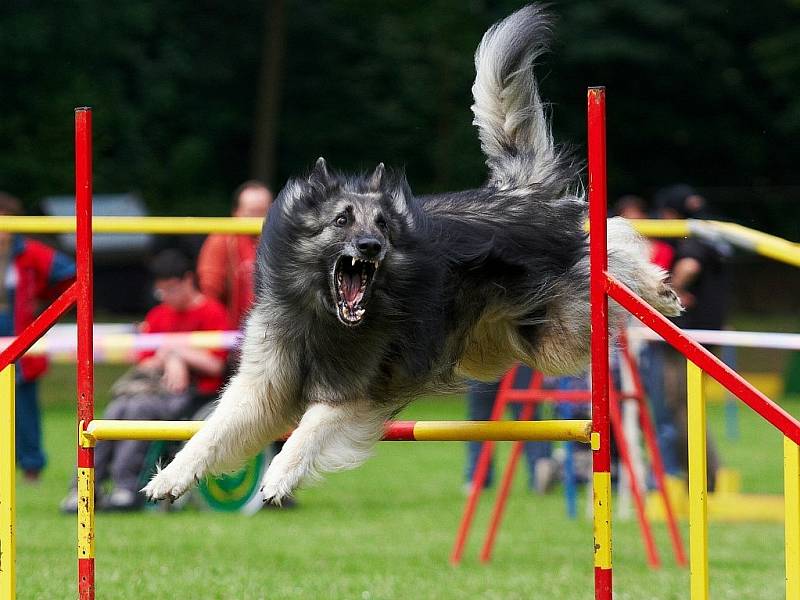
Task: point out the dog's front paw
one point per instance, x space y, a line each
668 301
169 484
278 483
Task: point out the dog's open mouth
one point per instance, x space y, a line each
352 278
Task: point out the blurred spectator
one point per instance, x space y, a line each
651 354
226 263
169 383
30 273
700 277
634 207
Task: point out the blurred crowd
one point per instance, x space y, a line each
698 271
173 382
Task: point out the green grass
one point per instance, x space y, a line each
382 531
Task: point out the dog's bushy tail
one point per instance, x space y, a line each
512 124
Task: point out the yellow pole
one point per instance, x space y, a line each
698 505
791 499
157 225
762 243
7 484
444 431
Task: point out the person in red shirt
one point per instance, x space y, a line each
226 263
633 207
169 383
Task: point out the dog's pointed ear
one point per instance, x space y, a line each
376 179
320 172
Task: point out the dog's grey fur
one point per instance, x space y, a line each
467 284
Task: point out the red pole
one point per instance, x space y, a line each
481 470
505 488
83 258
649 430
636 490
601 443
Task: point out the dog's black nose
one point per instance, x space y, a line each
369 246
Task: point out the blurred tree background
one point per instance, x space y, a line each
191 98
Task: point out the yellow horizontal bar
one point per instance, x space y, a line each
762 243
429 431
157 225
662 228
106 429
446 431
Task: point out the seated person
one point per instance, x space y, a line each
167 384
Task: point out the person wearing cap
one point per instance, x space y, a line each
700 276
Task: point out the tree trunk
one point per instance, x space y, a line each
268 94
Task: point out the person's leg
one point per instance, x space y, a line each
30 454
480 401
676 440
534 451
104 450
128 458
652 368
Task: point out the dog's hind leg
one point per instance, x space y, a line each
330 437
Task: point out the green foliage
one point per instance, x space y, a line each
700 92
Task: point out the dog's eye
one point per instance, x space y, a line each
341 220
381 222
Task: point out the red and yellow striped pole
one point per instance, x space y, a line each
83 259
601 443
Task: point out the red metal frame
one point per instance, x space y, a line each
651 440
478 477
526 414
28 336
83 214
625 458
732 381
534 393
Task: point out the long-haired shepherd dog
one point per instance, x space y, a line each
370 296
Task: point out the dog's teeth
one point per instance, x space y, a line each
354 261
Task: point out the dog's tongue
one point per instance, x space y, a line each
351 284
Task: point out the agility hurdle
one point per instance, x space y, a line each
89 430
603 286
699 360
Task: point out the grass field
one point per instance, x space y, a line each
382 531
